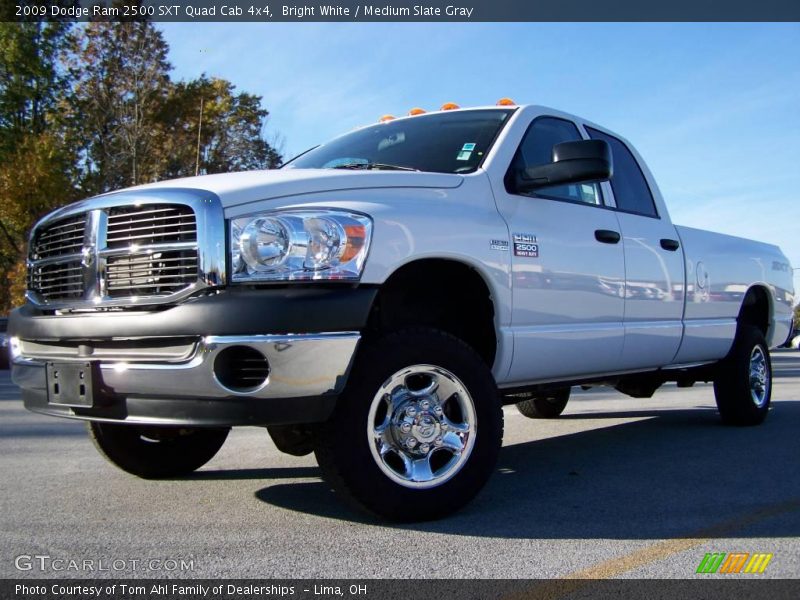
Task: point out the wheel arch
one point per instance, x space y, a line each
757 309
444 293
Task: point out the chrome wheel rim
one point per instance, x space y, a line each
759 377
421 426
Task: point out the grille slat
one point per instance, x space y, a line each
64 236
56 273
72 226
133 221
58 281
147 271
58 238
183 224
166 224
152 274
147 260
143 286
62 271
67 228
58 244
157 238
118 211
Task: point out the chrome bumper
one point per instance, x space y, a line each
303 366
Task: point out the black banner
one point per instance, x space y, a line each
404 10
405 589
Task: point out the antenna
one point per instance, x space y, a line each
199 130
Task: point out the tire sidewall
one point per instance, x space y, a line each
545 407
732 386
122 445
377 362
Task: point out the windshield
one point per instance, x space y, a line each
442 142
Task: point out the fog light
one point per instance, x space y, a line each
241 369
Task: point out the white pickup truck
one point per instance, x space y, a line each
379 298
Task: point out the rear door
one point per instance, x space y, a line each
654 264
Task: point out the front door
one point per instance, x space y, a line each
568 269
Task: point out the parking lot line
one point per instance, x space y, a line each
665 549
608 569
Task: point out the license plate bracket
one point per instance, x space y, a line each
70 384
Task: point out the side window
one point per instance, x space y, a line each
630 187
537 149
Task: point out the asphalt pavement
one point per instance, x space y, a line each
617 487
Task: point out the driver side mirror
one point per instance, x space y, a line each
584 161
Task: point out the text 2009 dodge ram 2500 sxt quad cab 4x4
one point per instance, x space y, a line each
380 297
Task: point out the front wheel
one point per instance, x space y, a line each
743 385
417 431
156 452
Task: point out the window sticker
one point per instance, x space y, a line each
469 147
464 155
392 140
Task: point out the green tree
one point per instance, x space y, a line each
121 82
33 181
30 79
210 128
34 166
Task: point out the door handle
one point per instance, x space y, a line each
606 236
670 245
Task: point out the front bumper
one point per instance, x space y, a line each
307 372
142 377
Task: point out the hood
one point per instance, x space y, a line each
235 189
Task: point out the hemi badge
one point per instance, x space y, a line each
526 245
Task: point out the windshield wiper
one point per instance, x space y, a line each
373 166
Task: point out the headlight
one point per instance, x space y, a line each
299 245
264 244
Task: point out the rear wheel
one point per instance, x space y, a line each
547 406
155 452
417 431
743 385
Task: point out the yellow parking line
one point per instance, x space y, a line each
576 580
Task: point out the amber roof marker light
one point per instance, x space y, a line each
446 106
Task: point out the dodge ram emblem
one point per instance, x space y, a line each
87 254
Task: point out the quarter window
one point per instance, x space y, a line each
537 149
630 187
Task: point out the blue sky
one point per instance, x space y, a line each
713 108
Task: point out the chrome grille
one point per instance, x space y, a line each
155 274
60 238
152 224
127 249
58 281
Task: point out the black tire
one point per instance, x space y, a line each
743 399
294 440
156 452
346 453
547 406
